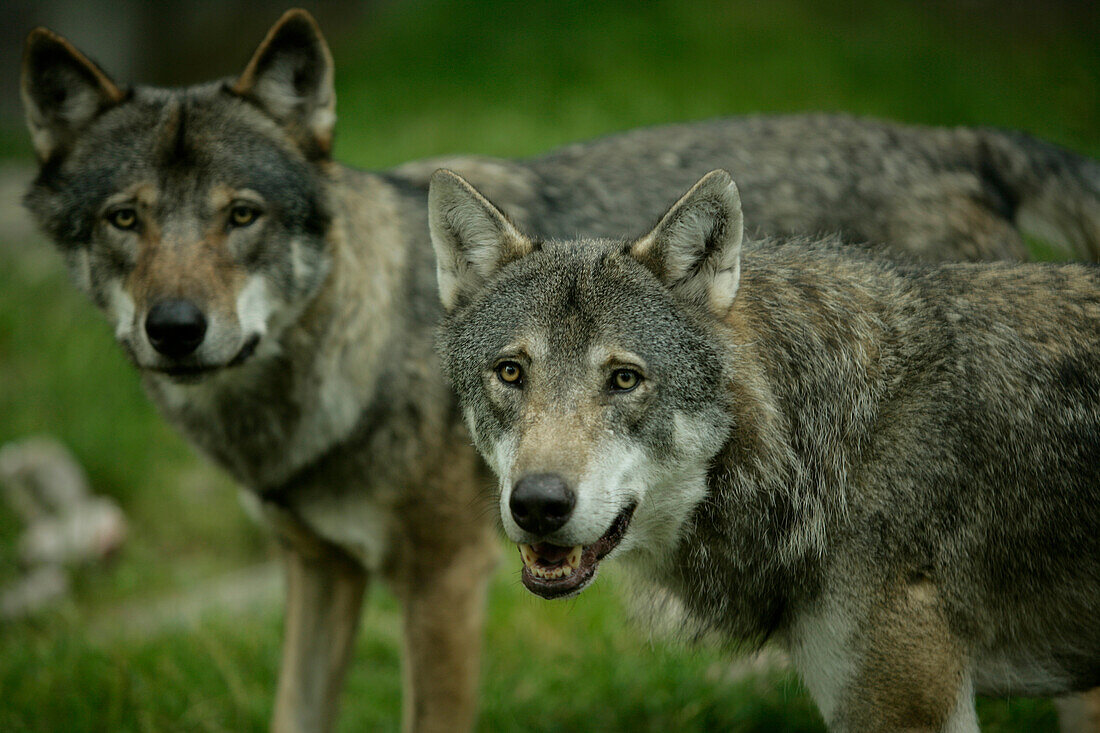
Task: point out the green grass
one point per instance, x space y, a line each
425 78
549 667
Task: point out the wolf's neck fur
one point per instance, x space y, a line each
807 375
309 386
905 412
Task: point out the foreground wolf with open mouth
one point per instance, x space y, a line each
280 306
893 471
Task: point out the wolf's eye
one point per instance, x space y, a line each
241 215
510 373
624 380
124 219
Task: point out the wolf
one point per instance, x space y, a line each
280 307
891 470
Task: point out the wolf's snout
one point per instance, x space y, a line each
542 503
175 327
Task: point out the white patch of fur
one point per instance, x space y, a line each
469 415
623 472
672 492
660 519
502 461
298 267
448 276
254 306
820 647
723 288
609 483
665 492
322 121
42 138
964 718
120 310
339 409
352 521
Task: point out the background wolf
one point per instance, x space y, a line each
280 306
893 470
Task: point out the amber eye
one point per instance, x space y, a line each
624 380
123 219
242 216
510 373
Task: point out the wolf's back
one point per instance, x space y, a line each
935 193
1053 193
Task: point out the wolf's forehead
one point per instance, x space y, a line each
566 321
597 306
587 289
190 138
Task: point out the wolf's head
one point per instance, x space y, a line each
588 371
195 218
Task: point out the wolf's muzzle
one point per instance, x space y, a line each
175 327
542 503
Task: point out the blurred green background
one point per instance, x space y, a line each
181 631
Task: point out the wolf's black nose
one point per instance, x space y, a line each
175 327
541 503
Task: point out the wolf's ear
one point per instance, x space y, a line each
290 77
696 247
472 238
62 91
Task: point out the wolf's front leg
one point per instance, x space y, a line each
1079 713
324 598
443 593
885 661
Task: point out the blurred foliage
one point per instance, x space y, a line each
517 78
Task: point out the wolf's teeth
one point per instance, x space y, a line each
566 569
528 555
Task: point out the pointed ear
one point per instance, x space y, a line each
62 91
472 238
696 247
290 77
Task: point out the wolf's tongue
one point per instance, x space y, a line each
551 553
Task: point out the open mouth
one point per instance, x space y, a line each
246 351
553 571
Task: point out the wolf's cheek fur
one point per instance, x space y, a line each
254 306
617 475
78 262
670 489
119 307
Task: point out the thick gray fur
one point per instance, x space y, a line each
891 469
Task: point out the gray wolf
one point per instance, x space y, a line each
280 307
892 470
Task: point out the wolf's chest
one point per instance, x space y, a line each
262 428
